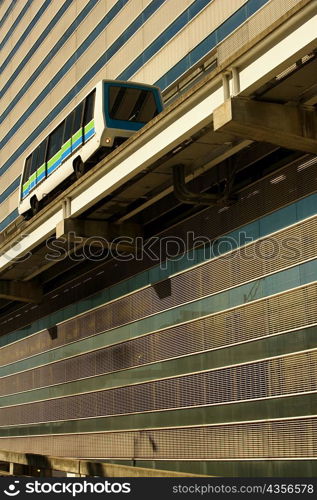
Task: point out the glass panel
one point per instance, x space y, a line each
26 173
131 104
77 118
89 108
253 5
55 141
34 161
41 153
68 127
41 166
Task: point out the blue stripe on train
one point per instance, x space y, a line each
66 153
32 184
77 143
54 166
89 134
40 177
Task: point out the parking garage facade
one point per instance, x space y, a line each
196 350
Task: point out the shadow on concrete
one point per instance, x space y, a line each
38 465
163 289
95 469
53 332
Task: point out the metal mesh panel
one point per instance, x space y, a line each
253 27
270 254
283 375
259 199
294 438
294 309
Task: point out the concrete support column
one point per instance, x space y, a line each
66 204
226 86
235 81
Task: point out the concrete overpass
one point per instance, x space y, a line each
263 90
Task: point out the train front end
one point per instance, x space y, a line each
127 107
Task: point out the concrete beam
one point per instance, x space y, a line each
100 232
292 127
84 467
23 291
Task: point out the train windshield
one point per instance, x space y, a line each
131 104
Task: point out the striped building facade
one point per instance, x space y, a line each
205 365
53 52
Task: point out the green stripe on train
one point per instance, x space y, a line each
66 145
89 126
77 135
26 185
41 169
54 158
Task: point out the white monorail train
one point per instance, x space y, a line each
107 116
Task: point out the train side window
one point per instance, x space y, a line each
55 141
89 108
27 168
34 163
41 153
68 127
77 123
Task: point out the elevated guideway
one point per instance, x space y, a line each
263 90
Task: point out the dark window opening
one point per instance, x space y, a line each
34 161
26 173
55 141
77 123
68 127
89 108
41 153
